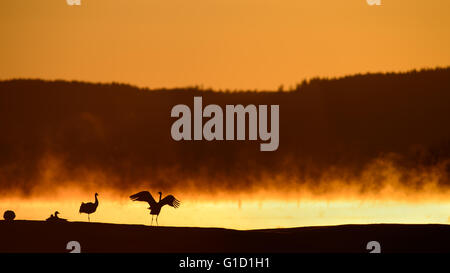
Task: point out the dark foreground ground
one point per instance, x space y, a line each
39 236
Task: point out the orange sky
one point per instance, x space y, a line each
219 43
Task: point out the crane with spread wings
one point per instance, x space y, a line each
155 207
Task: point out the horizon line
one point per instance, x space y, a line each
200 87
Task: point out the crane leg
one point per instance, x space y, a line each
152 221
89 218
157 220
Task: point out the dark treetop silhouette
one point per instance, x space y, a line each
155 207
89 207
9 216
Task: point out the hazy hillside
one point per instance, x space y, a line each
335 127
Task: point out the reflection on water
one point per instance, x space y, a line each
240 214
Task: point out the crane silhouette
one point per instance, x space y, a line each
155 207
55 218
89 207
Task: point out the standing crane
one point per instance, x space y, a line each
89 207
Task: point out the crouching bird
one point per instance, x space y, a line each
55 218
89 207
155 207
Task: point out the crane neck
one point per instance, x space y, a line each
160 197
96 200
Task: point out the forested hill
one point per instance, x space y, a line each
334 127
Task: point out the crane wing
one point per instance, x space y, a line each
144 196
171 201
